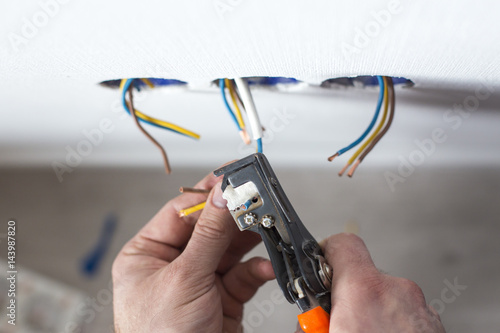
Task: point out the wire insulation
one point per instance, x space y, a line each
156 143
392 102
222 85
259 145
191 210
377 130
370 126
148 83
124 86
235 103
249 105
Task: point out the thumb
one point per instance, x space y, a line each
212 234
349 258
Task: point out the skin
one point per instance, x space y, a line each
186 275
367 300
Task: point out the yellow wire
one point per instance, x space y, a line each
191 210
148 83
122 84
161 122
166 124
379 127
235 103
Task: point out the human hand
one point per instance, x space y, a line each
184 274
366 300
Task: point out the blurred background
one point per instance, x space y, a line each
428 211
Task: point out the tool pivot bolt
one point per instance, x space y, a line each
267 221
250 218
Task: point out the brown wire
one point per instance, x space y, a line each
237 93
130 103
392 99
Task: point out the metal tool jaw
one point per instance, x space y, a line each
258 203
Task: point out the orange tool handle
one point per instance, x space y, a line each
316 320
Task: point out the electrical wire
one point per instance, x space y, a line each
156 143
235 98
124 86
375 132
191 210
235 103
222 85
238 97
236 116
148 83
392 102
184 189
249 105
370 126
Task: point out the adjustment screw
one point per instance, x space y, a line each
267 221
250 218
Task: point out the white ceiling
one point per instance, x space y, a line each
49 95
445 41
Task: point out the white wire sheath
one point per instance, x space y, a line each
246 98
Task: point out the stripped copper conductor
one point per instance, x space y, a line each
184 189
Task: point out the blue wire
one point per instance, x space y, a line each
375 116
224 98
259 145
124 102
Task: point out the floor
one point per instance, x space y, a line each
441 224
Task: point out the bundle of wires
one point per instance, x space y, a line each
242 99
387 97
126 86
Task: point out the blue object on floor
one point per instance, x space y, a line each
91 262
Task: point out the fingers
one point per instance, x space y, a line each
167 227
162 239
349 257
211 236
242 243
170 229
244 279
167 233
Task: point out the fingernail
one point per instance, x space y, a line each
217 198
